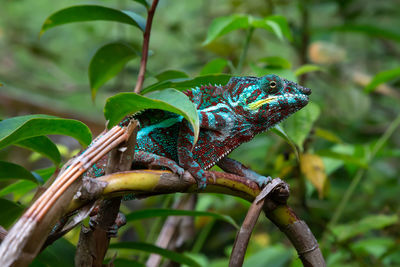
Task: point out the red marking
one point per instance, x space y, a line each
204 119
289 89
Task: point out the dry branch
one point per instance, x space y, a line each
93 243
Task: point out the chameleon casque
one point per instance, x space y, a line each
229 116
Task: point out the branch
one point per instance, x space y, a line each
28 234
145 183
93 242
243 236
145 47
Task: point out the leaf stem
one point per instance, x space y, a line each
360 173
245 49
145 48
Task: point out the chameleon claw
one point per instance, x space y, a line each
202 185
113 229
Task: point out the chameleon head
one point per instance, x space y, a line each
268 99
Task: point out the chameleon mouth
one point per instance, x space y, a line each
259 103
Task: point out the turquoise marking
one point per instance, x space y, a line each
211 119
163 124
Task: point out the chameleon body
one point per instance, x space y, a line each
229 116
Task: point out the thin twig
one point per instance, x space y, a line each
305 37
244 50
145 48
243 236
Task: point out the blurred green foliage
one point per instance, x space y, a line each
344 179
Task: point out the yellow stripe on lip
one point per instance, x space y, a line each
259 103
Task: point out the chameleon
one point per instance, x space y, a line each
229 115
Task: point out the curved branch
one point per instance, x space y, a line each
145 183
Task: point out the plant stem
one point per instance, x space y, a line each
304 38
357 178
145 48
245 49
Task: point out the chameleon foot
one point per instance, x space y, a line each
113 229
119 222
153 161
201 177
262 180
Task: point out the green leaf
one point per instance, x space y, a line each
9 211
44 146
184 84
92 13
369 30
120 105
275 24
307 68
18 188
214 66
16 129
172 255
350 159
171 74
366 224
276 62
382 77
283 25
299 125
272 255
223 25
61 254
10 170
22 187
151 213
376 246
120 262
108 61
269 25
143 2
277 129
45 173
327 135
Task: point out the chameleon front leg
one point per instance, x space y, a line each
185 155
151 160
235 167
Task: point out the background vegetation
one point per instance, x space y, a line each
346 184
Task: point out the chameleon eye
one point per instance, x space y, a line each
273 87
